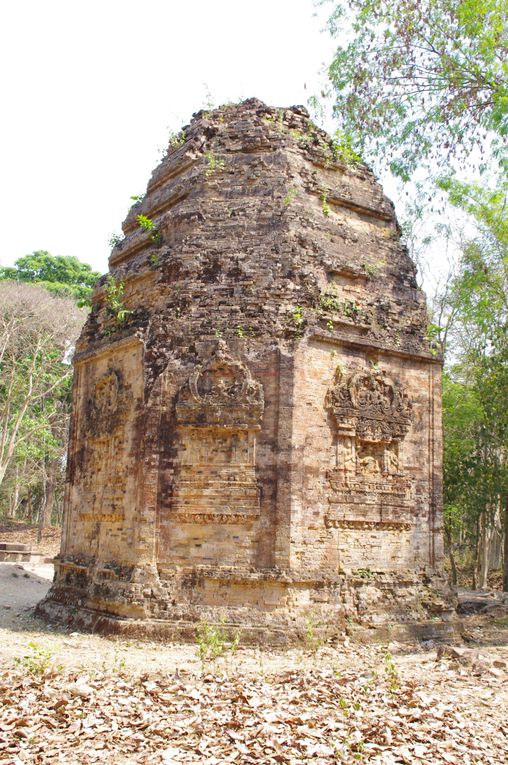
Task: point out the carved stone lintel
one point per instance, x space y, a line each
335 523
219 518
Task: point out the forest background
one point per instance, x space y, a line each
418 90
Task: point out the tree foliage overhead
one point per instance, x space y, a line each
421 80
63 275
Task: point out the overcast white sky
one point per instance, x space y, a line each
89 92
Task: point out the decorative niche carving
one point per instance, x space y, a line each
105 405
371 414
221 393
102 465
218 411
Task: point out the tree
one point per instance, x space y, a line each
62 275
476 387
37 334
421 80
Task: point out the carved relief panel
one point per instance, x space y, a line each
218 411
102 474
105 466
371 414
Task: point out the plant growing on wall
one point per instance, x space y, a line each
214 165
114 300
145 223
114 240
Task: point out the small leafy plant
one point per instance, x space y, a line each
177 139
351 309
214 165
328 301
145 223
363 573
297 316
391 672
313 640
325 207
114 240
372 269
138 198
213 642
342 150
148 225
37 661
290 196
114 300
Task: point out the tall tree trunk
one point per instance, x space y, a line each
453 565
482 562
29 506
47 504
14 497
505 568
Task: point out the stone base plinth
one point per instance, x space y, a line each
276 607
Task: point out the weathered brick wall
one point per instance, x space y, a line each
259 430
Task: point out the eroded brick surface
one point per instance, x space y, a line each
257 435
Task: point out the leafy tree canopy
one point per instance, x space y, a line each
61 274
422 80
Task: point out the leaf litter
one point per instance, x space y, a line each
349 704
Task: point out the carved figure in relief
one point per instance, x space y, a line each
392 462
349 456
367 462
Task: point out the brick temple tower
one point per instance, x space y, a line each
256 430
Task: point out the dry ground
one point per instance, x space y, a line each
80 699
26 534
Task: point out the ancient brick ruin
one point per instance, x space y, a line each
257 428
